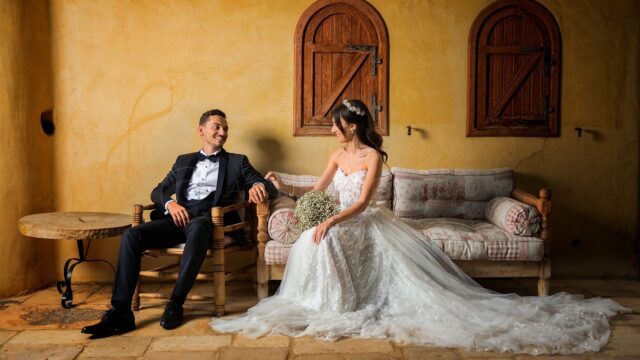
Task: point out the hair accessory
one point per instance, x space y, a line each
353 108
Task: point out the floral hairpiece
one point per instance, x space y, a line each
353 108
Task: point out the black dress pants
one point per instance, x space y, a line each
158 234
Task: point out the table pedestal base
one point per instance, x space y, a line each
64 287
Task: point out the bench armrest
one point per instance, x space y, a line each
542 203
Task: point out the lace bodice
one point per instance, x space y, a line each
348 187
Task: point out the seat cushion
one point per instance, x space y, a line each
477 240
276 253
228 241
447 192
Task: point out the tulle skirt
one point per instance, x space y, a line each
375 277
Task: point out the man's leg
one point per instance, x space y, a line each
198 240
156 234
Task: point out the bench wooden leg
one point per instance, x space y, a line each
545 274
263 290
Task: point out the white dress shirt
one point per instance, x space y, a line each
203 181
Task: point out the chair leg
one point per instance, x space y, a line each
136 296
218 260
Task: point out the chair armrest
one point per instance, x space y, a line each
542 203
138 210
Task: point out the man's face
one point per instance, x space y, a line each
214 132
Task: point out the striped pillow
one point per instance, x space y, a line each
513 216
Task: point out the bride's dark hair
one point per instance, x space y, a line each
357 113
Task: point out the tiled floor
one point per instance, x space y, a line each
34 326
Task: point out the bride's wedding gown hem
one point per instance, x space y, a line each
374 276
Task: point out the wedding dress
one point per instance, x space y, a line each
374 276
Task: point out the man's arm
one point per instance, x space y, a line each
251 177
165 189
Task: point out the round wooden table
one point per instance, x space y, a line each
78 226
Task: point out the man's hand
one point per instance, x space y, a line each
258 193
178 213
275 179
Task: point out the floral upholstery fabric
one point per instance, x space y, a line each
477 240
513 216
276 253
448 193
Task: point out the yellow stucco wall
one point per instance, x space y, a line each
26 159
131 78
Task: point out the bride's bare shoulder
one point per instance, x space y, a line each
338 153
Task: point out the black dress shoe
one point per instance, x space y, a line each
113 322
172 316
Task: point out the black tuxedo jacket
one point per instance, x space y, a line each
235 177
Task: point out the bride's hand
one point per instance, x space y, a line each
275 179
321 230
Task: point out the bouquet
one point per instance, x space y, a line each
313 208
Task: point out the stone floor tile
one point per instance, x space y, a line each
190 343
25 317
254 353
149 324
426 352
632 303
49 337
6 335
116 346
586 356
321 357
190 355
39 351
51 296
623 342
277 341
472 355
312 346
101 296
632 319
396 355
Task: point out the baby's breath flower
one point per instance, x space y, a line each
313 208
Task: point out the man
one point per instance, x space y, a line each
201 180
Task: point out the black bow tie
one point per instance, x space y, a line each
212 158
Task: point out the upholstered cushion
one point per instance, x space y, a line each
513 216
477 240
382 196
228 241
448 193
276 253
282 225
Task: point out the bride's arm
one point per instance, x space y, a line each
321 184
327 176
374 169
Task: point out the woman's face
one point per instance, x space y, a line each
343 137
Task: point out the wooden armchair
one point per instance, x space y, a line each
255 222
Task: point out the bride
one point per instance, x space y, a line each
365 273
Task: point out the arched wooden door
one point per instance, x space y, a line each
341 52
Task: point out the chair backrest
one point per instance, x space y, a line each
448 192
